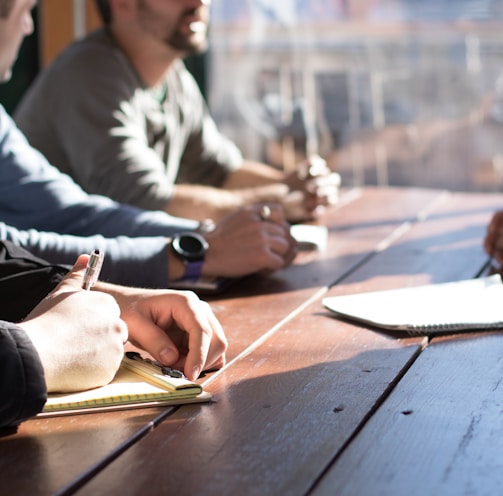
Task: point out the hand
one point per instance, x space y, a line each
78 334
493 242
245 243
175 327
312 186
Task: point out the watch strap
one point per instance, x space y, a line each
193 270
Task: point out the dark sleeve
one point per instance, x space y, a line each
24 281
22 384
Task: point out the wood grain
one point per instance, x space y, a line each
299 384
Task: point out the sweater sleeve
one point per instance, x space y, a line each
36 195
22 382
140 261
47 213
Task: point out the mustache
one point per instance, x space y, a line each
196 11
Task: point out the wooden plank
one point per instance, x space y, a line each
248 312
433 435
449 246
280 415
439 431
286 409
357 228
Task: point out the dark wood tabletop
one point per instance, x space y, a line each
308 403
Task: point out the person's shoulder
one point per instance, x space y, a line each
93 52
98 40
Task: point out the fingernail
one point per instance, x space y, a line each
168 356
195 372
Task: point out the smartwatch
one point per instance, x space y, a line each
191 248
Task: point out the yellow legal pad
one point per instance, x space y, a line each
132 387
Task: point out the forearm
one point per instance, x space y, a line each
202 202
253 174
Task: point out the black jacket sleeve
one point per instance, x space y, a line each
24 281
22 384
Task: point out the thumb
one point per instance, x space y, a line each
74 279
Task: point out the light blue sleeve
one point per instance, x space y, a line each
141 261
47 213
36 195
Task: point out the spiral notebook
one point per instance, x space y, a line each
474 304
139 383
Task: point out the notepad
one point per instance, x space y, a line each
310 237
474 304
131 388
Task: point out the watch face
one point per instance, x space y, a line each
190 246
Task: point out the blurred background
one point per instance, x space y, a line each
389 92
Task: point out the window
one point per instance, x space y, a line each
399 92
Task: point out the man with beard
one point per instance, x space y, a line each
121 114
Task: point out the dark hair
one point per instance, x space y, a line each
104 10
5 8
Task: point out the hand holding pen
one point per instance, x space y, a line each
70 315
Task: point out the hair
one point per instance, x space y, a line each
6 8
104 10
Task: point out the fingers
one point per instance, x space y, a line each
322 191
248 241
313 187
207 342
277 240
179 330
274 237
151 336
324 186
270 212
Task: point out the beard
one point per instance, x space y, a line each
188 45
190 42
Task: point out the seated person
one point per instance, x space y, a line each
47 213
120 113
43 319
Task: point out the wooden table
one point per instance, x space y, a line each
309 404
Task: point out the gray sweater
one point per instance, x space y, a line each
93 117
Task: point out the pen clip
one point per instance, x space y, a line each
176 374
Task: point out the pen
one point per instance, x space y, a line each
93 269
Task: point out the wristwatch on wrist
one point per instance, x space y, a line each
191 248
